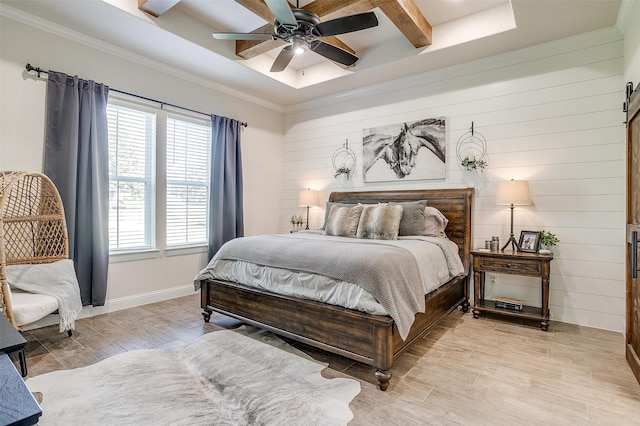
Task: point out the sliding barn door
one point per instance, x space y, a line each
633 231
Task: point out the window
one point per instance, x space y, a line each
178 188
187 168
131 177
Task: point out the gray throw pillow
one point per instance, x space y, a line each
343 221
412 222
380 222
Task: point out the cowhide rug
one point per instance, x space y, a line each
224 378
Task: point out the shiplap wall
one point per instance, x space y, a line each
551 114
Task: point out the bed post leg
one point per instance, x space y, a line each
206 314
383 377
465 306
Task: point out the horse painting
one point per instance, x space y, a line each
398 147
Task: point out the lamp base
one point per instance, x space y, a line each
514 244
307 227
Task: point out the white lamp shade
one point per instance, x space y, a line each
308 198
514 192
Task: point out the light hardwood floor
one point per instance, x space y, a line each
486 371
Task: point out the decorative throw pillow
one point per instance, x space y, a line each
328 209
412 222
434 222
380 222
343 221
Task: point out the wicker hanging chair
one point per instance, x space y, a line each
32 229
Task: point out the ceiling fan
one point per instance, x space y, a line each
300 28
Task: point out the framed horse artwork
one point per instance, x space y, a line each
395 151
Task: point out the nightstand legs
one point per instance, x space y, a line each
478 291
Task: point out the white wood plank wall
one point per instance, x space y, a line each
551 114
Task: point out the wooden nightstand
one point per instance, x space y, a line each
514 263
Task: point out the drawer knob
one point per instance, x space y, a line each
508 265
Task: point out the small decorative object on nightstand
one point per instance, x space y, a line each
513 263
547 240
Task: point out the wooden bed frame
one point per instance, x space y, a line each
366 338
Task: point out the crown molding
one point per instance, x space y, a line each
624 13
61 31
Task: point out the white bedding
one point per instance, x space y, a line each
437 259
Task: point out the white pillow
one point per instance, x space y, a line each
434 222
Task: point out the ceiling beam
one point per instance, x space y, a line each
156 7
331 9
410 21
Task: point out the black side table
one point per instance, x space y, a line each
12 341
18 407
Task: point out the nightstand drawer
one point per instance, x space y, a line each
513 266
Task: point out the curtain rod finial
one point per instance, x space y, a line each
30 68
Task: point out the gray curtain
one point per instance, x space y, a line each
225 200
76 159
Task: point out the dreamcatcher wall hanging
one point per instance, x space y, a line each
344 161
471 150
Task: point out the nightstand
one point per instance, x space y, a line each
513 263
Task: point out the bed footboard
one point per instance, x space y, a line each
370 339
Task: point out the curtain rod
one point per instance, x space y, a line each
39 71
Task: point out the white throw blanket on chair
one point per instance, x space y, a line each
56 279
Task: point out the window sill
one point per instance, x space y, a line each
185 250
128 256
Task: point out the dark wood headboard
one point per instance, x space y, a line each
455 204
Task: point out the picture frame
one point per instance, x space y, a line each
529 241
393 152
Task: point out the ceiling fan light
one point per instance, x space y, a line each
297 43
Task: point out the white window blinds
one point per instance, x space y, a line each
187 168
131 177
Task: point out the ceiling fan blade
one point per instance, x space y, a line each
242 36
332 52
346 24
282 12
283 59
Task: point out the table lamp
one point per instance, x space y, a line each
308 198
513 193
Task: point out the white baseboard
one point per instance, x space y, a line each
120 303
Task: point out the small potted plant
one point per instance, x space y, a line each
343 172
296 223
471 164
547 240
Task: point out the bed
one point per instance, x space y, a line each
367 338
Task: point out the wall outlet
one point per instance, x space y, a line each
493 279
